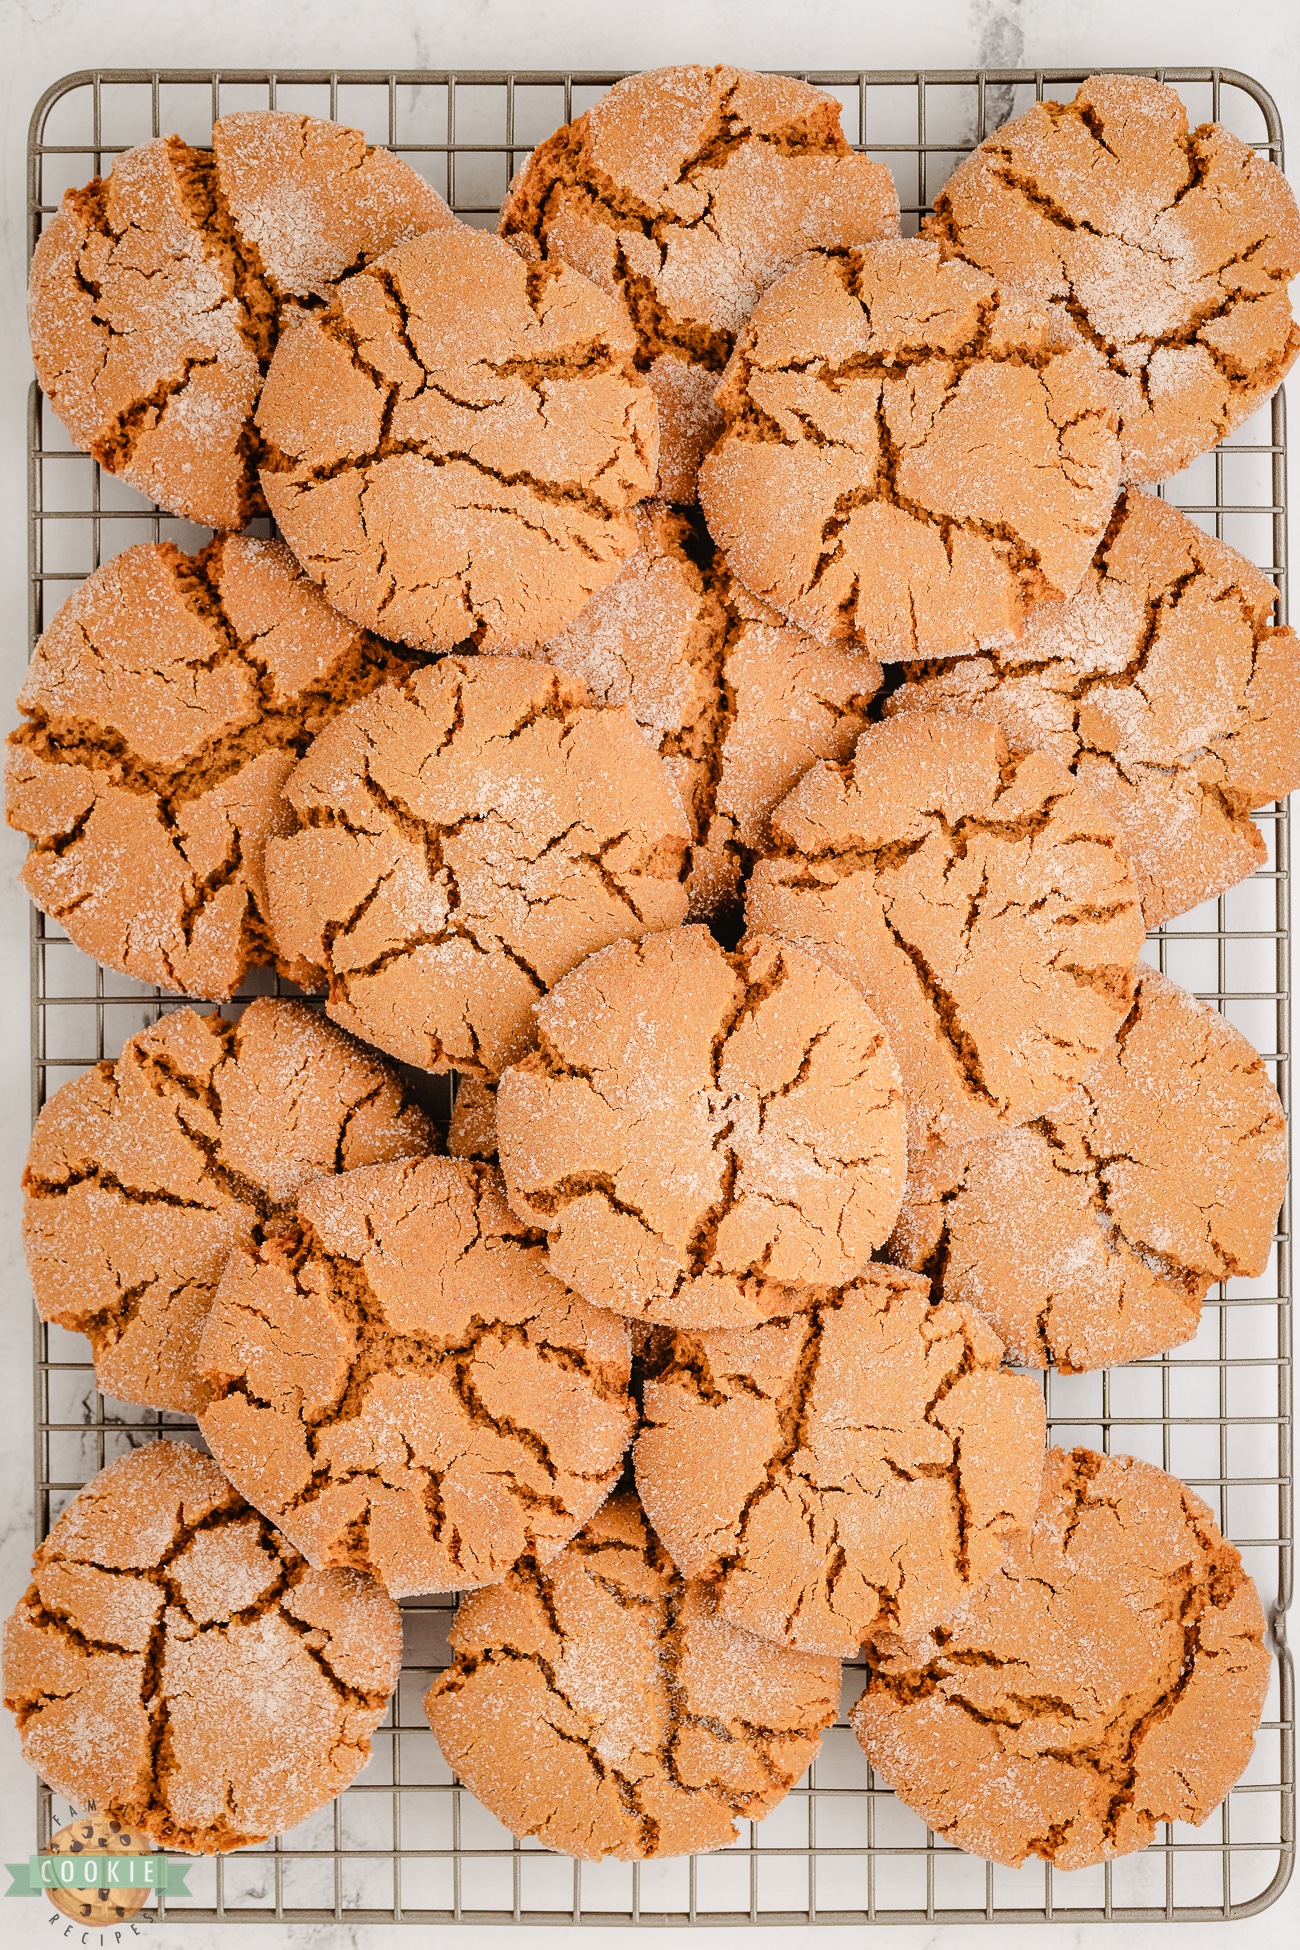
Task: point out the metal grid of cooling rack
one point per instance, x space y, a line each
406 1843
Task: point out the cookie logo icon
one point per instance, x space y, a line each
98 1835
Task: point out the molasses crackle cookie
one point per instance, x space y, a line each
163 710
684 192
158 292
1167 251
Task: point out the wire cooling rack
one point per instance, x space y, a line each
406 1843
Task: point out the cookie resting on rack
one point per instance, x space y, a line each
600 1704
176 1663
1110 1677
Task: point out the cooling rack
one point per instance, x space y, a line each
406 1843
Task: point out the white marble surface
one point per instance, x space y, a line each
43 39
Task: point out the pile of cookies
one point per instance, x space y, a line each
722 692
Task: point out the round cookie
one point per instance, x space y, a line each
1167 252
400 1385
981 904
1110 1676
472 1132
164 708
737 703
844 1470
602 1705
914 456
454 445
1163 687
1092 1235
684 192
704 1137
463 839
175 1662
144 1174
158 292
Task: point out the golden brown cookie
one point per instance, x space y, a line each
1110 1676
400 1385
700 1133
157 292
145 1173
176 1662
463 839
854 1467
1164 688
737 702
603 1705
684 192
1092 1235
164 708
981 904
454 445
472 1132
1168 252
914 456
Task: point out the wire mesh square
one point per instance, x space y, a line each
406 1843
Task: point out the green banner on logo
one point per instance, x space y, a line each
40 1872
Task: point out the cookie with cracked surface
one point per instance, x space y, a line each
854 1467
857 486
1109 1677
158 292
454 445
704 1137
1092 1235
982 904
1163 686
737 703
1169 252
401 1386
164 708
472 1132
603 1705
463 839
177 1663
144 1174
683 193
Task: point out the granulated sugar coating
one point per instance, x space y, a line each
737 703
145 1173
982 905
914 456
400 1385
1111 1676
1164 688
852 1468
454 446
602 1705
704 1137
464 838
1169 253
176 1663
1092 1235
164 708
158 292
684 192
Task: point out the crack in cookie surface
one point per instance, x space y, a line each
144 1174
463 839
1091 1236
852 1468
177 1662
981 904
1167 252
1164 688
858 487
163 710
401 1386
601 1704
1109 1677
705 1138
